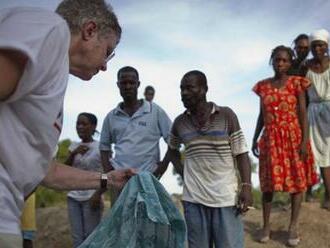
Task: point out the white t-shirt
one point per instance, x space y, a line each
90 161
31 119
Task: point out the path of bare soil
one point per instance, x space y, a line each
53 229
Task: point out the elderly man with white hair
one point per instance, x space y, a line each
38 50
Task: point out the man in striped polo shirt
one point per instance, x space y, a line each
215 149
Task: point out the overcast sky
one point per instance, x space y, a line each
230 41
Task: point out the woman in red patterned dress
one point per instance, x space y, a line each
285 158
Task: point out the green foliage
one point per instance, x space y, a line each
280 199
319 193
257 198
63 150
48 197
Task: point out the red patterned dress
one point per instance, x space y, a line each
280 165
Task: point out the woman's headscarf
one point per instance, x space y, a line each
320 34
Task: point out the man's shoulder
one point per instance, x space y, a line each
223 110
181 118
155 107
39 33
32 15
113 111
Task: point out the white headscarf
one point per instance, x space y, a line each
320 34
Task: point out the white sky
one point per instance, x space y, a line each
230 41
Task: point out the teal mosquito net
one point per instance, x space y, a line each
143 216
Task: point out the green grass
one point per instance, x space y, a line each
47 197
282 198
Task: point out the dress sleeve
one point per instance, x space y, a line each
301 84
256 88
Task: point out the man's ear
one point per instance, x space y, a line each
88 30
138 84
118 84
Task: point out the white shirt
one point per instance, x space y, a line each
90 161
31 118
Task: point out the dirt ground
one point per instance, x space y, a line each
53 229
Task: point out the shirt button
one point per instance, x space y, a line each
276 108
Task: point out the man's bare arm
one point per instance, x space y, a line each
175 158
105 160
63 177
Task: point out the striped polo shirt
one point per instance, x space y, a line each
210 176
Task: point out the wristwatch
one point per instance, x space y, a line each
104 181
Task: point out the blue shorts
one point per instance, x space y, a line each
29 235
213 227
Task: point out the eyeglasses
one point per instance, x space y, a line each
110 56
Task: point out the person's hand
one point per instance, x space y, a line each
118 178
303 151
95 201
161 168
255 149
82 149
245 199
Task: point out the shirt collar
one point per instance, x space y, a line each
215 108
145 108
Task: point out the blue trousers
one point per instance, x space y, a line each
83 220
213 227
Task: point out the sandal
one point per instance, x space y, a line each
293 239
265 237
293 242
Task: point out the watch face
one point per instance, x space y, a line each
104 181
104 176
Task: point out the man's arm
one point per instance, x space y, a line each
63 177
12 65
302 116
162 166
105 160
259 127
105 144
175 158
244 168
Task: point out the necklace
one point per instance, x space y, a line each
203 121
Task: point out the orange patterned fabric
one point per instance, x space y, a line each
280 165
